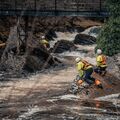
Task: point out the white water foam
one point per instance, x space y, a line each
63 36
31 111
68 97
92 31
108 97
114 98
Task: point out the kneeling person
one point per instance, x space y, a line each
101 63
85 71
45 43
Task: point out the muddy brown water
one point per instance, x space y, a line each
46 97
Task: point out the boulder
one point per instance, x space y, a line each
84 39
50 35
114 65
39 58
62 46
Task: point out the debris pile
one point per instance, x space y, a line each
17 56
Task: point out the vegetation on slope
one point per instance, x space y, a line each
109 37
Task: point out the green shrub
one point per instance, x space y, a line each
109 38
114 7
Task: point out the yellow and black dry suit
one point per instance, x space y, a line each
101 64
45 43
85 71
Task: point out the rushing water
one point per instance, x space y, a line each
67 106
71 107
92 31
63 36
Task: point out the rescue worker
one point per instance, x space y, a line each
85 71
44 42
101 63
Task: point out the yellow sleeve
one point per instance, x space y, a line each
44 42
80 65
99 60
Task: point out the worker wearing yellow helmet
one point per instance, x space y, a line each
85 71
44 42
101 62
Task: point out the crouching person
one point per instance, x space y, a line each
101 63
85 71
45 43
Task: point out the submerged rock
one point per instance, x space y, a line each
84 39
62 46
50 35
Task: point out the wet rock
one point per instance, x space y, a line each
62 46
114 65
92 31
50 35
83 39
80 29
38 59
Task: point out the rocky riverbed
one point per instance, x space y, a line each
45 96
32 93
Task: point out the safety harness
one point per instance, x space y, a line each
103 60
86 64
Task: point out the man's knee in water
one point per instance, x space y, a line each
89 81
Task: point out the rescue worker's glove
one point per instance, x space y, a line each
79 80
